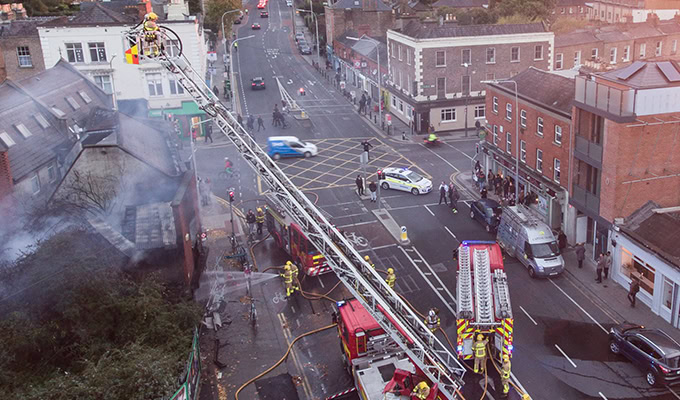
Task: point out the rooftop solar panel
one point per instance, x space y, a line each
669 71
629 71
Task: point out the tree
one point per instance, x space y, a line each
534 10
214 9
75 327
89 191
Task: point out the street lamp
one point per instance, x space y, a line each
316 21
231 69
494 81
377 52
113 86
224 34
467 95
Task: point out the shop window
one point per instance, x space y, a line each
667 293
631 264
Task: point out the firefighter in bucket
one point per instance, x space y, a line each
151 43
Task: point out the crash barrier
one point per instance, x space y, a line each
191 376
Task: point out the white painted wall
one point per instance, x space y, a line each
641 15
657 101
129 80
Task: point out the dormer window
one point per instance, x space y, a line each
356 2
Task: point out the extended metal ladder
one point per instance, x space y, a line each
403 325
502 297
483 294
464 292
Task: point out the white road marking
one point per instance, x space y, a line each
579 306
673 391
297 321
378 248
436 276
458 150
442 158
518 383
428 282
601 395
292 308
527 314
450 233
428 210
565 355
321 281
357 224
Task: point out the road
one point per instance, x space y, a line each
560 328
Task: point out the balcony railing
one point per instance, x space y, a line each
585 198
588 149
611 100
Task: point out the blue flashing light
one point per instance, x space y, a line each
340 303
510 347
471 242
460 349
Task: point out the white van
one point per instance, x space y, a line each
531 241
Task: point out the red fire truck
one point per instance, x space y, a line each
289 237
483 299
377 364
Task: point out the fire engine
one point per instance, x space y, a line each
373 359
289 237
483 299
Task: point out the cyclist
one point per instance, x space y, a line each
228 166
432 138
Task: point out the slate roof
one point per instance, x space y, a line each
22 27
95 14
462 3
22 101
574 38
658 232
645 75
417 5
667 27
551 90
365 47
641 31
432 30
365 5
613 36
572 3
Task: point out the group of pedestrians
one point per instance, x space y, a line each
372 188
278 117
449 192
364 103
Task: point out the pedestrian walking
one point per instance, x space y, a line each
360 185
481 178
368 103
260 123
216 91
276 117
634 289
607 264
506 186
194 133
484 193
600 266
580 251
372 187
367 146
362 104
443 190
491 178
251 220
208 133
454 196
561 238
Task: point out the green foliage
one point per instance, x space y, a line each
505 12
102 335
214 9
515 19
534 10
566 25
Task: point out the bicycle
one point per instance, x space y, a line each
229 174
356 240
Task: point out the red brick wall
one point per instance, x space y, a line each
551 150
650 154
348 55
8 47
370 23
5 176
185 210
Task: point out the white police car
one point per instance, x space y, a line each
406 180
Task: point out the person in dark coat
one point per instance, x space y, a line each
600 267
208 133
443 190
367 146
506 186
634 289
372 187
454 196
561 239
360 185
580 251
484 193
217 92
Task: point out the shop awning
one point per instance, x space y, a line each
188 108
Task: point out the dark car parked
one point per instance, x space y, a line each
305 49
488 212
651 350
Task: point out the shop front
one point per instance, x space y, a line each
551 198
659 279
186 116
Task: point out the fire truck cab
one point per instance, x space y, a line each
379 368
483 299
289 236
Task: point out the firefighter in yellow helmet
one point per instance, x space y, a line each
421 391
287 276
432 320
151 34
294 272
259 219
479 347
505 374
390 278
368 260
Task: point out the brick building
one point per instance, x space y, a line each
544 102
436 69
365 17
625 148
20 51
614 46
357 61
617 11
571 9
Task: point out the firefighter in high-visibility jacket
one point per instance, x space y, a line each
390 278
287 276
368 260
479 347
505 374
259 219
432 321
151 34
294 272
421 391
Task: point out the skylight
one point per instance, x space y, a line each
73 102
41 120
58 111
23 130
85 97
6 139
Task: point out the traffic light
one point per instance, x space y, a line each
302 91
381 175
231 196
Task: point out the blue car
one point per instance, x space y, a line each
289 146
487 212
651 350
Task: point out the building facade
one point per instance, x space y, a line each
543 115
356 62
93 42
365 17
617 11
436 69
625 121
20 51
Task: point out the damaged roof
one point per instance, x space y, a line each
659 232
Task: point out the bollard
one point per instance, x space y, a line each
375 119
303 115
404 235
